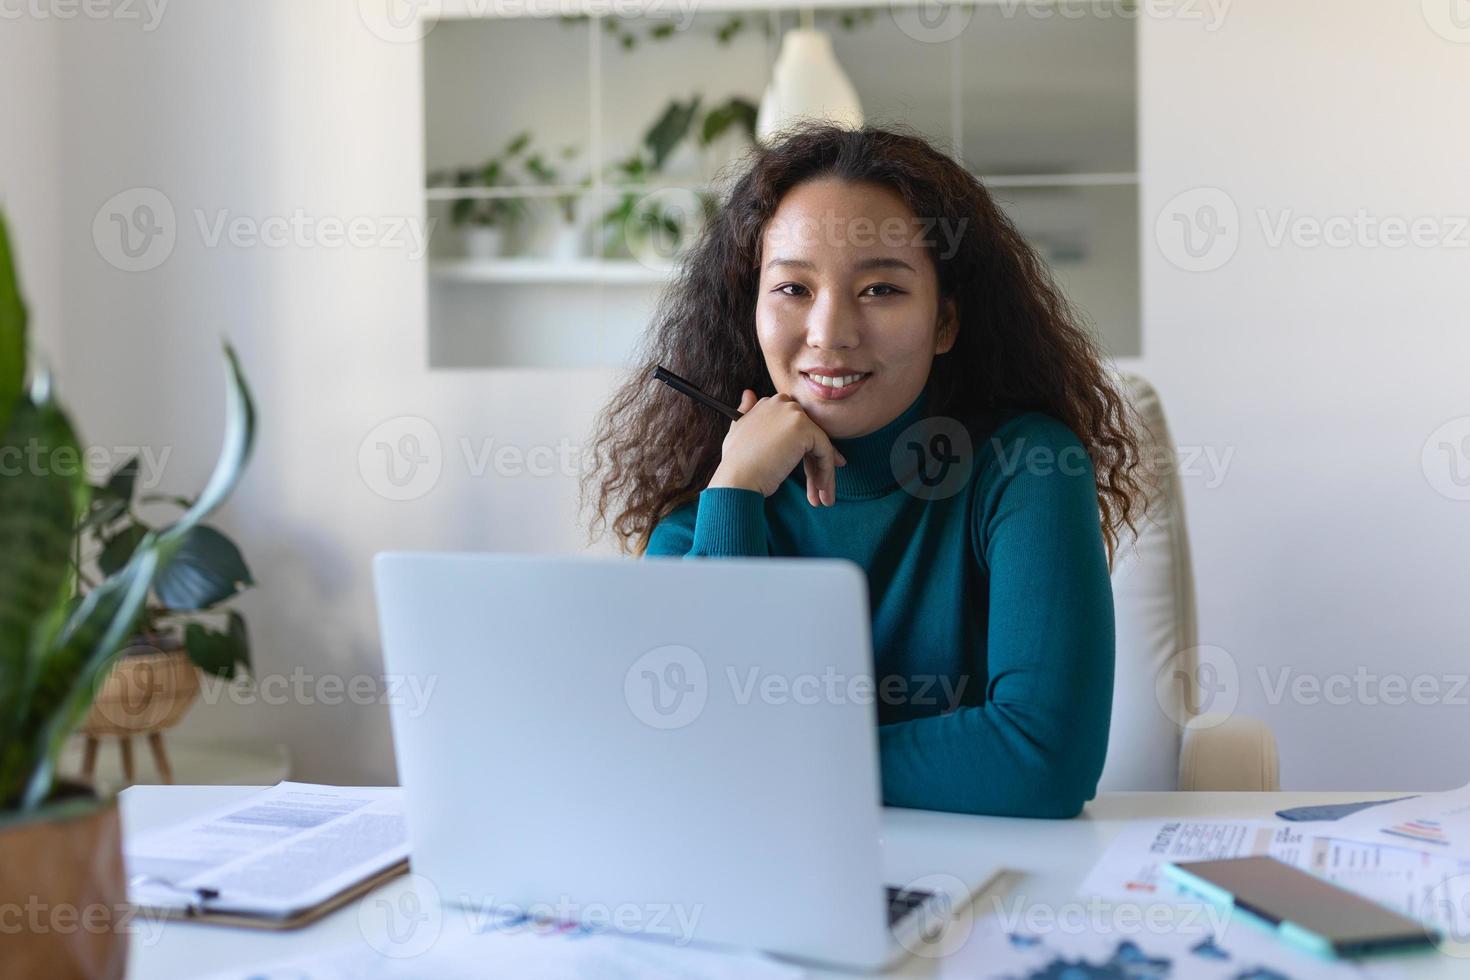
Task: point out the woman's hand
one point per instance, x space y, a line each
763 447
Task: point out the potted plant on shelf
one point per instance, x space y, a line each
155 681
60 843
485 219
656 226
566 237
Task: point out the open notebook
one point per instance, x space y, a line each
280 858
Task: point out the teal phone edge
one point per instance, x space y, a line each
1289 932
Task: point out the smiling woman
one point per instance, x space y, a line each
916 397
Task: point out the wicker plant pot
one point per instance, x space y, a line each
145 694
62 867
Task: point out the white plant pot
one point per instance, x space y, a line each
566 242
483 241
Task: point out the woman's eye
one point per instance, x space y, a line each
788 285
892 290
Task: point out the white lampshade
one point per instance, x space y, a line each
807 82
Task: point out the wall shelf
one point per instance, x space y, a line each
532 271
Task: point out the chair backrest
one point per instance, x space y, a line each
1154 609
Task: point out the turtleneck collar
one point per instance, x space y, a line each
869 471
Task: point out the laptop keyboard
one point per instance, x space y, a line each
903 901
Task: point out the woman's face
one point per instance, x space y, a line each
848 312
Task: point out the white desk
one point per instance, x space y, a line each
1051 856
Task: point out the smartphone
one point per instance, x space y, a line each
1305 910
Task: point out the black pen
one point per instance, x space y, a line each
685 388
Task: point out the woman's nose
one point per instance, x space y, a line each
831 325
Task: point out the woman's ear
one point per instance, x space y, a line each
949 326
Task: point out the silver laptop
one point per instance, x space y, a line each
685 749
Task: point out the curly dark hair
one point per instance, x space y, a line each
1021 345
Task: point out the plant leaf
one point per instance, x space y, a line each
119 548
120 484
12 331
39 509
207 568
671 127
221 653
86 648
239 438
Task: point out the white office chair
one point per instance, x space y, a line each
1164 734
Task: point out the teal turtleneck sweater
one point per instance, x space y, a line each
989 590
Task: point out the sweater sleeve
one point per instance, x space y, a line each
1035 746
726 522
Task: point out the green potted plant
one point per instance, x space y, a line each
655 227
484 221
60 842
185 627
566 240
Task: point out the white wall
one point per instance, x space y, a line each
261 109
1325 370
1325 548
30 186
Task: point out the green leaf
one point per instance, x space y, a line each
40 503
72 669
120 484
105 510
665 134
206 568
721 118
239 439
221 653
12 331
118 549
